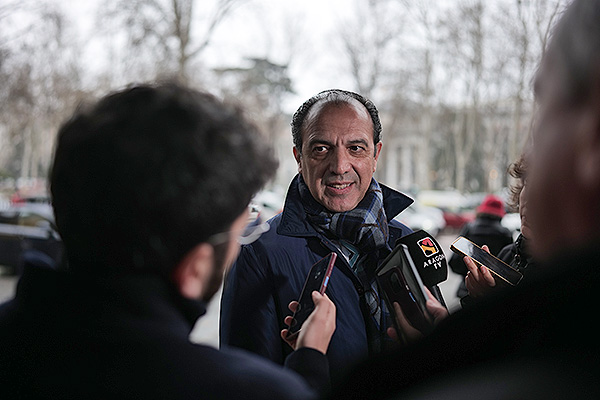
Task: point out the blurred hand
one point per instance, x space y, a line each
436 310
479 280
318 328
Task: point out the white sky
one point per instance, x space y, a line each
257 28
301 32
316 65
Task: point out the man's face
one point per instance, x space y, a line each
338 156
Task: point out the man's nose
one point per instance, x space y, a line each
339 163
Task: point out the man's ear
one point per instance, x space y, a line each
377 152
298 157
192 273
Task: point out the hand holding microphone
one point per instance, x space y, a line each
407 277
437 313
429 260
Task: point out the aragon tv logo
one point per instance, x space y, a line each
428 247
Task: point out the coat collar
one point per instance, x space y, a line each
128 291
294 221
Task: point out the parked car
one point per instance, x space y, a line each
419 216
24 227
442 199
452 203
268 204
456 219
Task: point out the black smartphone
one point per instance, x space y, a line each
317 279
401 283
497 267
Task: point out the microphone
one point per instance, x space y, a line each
429 259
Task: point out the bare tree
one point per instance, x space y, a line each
424 17
527 26
170 33
40 77
464 44
367 40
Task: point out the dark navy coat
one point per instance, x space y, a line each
270 273
127 336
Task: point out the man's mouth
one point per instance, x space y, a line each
339 186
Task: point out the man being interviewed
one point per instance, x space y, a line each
333 204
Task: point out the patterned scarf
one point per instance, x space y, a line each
365 226
363 229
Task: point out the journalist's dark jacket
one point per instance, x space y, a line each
271 272
536 340
123 337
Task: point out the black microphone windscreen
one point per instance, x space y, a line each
427 255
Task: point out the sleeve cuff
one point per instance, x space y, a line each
313 366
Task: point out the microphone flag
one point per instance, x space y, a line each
428 257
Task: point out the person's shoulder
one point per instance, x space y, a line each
241 374
280 237
7 311
274 250
206 372
507 232
397 225
507 252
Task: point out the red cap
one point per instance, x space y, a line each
492 205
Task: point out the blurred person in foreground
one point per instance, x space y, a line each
487 230
143 186
538 340
333 204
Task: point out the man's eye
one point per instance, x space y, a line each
319 149
356 149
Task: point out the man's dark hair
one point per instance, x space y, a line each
336 96
147 173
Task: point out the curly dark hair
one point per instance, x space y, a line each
517 170
333 96
147 173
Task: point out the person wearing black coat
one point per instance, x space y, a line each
127 336
517 255
531 342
